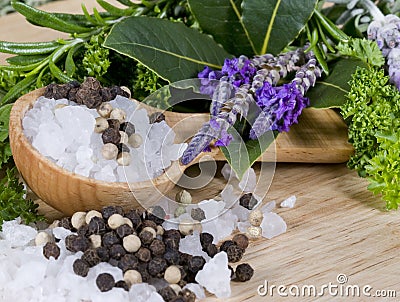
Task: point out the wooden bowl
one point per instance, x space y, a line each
69 192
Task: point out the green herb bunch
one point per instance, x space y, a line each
12 201
372 111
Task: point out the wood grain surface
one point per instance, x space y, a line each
336 227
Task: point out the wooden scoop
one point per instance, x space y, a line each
320 137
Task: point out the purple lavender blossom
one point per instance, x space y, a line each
230 67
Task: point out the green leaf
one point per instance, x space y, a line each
242 155
272 25
172 50
363 49
222 20
331 92
4 121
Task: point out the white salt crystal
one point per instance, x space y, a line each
228 195
249 181
227 172
17 234
243 226
212 208
221 227
288 202
171 224
268 207
106 174
143 292
216 276
272 225
197 289
191 245
241 212
61 233
31 273
125 104
50 140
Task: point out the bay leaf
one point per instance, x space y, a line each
271 25
170 49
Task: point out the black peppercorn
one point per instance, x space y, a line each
172 238
248 201
124 230
167 293
196 263
75 243
80 267
51 249
123 148
143 254
106 212
110 239
179 299
156 117
197 214
184 258
133 216
111 135
72 94
157 247
244 272
128 128
114 124
91 257
224 246
105 282
122 284
146 237
97 226
142 269
117 251
103 253
116 90
211 250
188 295
128 262
172 256
89 93
156 266
57 91
206 239
149 223
113 262
83 230
65 223
234 253
241 240
156 214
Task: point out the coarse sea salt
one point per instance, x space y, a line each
66 136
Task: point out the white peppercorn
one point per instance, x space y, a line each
124 137
183 197
105 109
256 217
180 210
131 243
132 277
118 114
254 232
124 159
91 214
172 274
101 124
160 230
78 219
95 239
128 222
176 288
109 151
135 140
42 238
115 221
127 90
187 227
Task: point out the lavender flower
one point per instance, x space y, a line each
244 82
